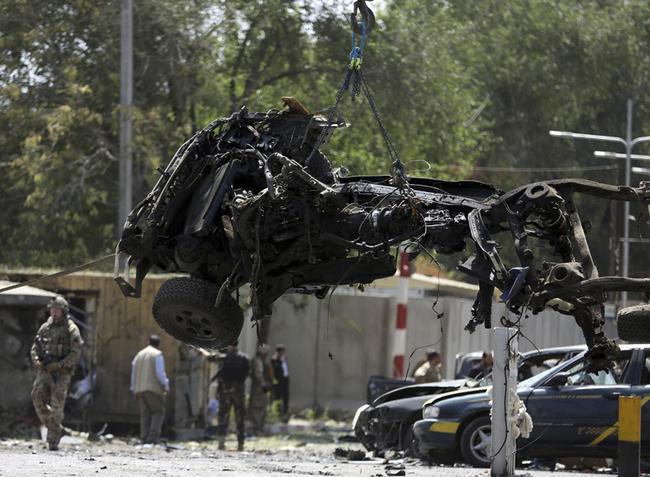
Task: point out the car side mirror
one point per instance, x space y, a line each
560 379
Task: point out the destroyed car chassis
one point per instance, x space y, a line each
250 200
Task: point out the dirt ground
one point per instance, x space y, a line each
309 454
305 454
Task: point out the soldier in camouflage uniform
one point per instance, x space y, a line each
232 374
260 385
55 352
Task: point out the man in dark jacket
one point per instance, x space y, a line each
281 377
231 391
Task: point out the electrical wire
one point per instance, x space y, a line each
528 169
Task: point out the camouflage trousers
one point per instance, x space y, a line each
49 401
231 394
257 408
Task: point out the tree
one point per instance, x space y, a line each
59 88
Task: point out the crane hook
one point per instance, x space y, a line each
367 17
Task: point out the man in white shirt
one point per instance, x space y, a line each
150 385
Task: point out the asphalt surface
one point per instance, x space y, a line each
309 454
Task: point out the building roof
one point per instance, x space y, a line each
25 295
434 284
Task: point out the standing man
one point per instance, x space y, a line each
425 359
231 391
260 386
150 385
55 352
431 371
281 377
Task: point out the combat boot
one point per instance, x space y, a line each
222 442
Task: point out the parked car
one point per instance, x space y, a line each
387 423
574 408
378 385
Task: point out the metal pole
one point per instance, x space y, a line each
613 237
626 205
126 120
629 436
504 376
316 356
399 342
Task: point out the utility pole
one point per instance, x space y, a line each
628 142
126 117
504 376
399 338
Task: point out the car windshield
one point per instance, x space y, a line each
579 373
531 368
530 382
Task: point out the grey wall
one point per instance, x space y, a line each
358 332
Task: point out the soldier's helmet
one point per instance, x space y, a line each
61 303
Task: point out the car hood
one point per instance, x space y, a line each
425 389
459 393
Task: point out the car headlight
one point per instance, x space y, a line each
360 411
431 412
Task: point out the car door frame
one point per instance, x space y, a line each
592 435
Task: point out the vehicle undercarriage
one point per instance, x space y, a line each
250 200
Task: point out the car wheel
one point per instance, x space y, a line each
476 442
633 324
409 445
320 168
184 308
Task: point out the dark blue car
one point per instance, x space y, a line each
574 408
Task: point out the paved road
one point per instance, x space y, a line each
263 457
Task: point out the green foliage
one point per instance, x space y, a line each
59 91
315 414
274 413
464 88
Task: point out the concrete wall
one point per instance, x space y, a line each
357 332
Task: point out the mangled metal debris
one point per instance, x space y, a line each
250 200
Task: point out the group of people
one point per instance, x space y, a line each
150 384
57 349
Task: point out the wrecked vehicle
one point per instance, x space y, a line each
251 200
574 408
387 423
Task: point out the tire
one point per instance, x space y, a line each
409 446
184 308
633 324
476 442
